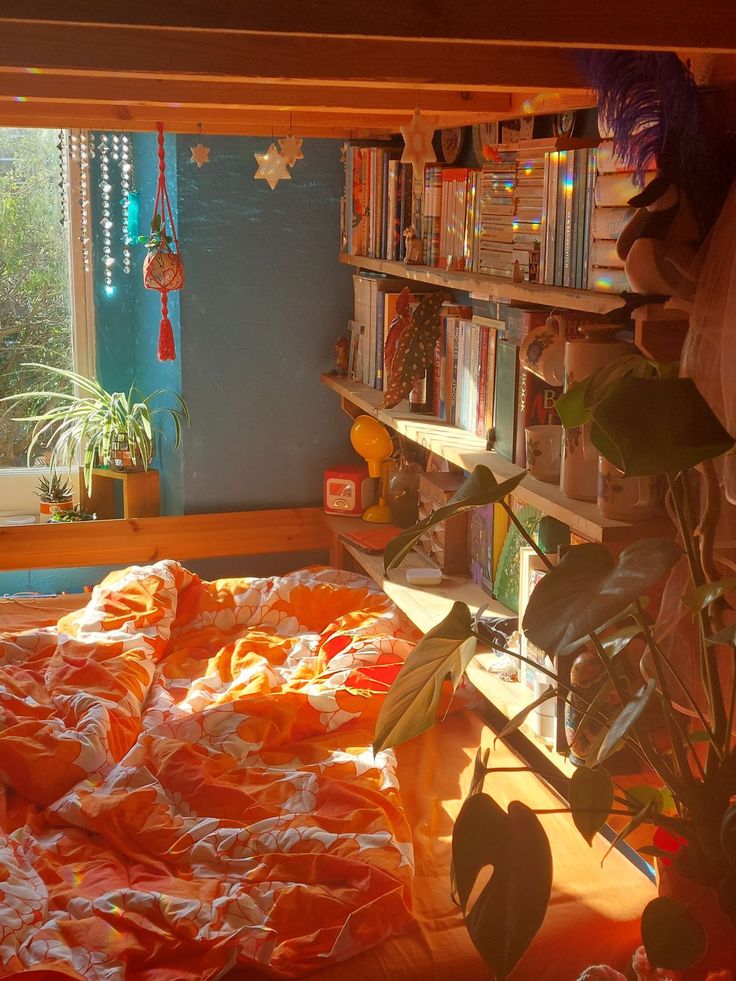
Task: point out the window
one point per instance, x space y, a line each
45 302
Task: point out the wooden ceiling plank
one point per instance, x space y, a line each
303 60
710 26
108 89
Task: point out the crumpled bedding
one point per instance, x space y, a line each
187 784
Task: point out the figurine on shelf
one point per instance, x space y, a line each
414 248
341 356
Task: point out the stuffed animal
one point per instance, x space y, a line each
659 242
414 248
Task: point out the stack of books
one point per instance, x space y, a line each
569 181
377 203
497 197
465 369
529 212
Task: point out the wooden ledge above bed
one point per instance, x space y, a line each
141 540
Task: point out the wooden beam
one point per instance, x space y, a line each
111 90
709 26
184 119
281 59
150 539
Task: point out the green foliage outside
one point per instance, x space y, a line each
35 309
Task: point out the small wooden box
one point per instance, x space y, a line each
447 543
141 493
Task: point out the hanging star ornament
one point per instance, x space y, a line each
291 149
200 155
418 148
272 167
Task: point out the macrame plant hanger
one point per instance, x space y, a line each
163 269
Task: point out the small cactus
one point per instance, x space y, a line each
53 489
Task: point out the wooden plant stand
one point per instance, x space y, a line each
141 493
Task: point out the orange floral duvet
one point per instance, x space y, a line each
187 784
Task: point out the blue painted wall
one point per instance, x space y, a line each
264 302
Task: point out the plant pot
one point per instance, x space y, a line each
702 902
47 508
122 459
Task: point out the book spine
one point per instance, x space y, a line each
455 367
551 226
560 224
520 435
474 331
442 354
490 380
480 418
437 377
588 239
507 364
568 188
380 313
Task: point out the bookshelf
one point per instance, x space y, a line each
427 606
483 286
467 450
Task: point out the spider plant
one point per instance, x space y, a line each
85 426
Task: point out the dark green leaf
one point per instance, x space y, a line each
587 590
513 724
591 800
657 425
410 706
510 908
627 717
673 938
698 599
615 641
480 488
643 815
575 406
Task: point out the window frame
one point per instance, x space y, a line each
14 481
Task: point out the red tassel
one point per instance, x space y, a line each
166 347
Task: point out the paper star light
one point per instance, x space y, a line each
418 147
200 155
272 167
291 149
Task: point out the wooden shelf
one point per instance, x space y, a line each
487 287
427 606
467 451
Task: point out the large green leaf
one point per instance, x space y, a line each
510 908
410 706
591 800
479 489
657 425
627 717
673 938
698 599
587 590
576 404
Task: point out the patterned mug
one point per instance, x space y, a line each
626 498
543 452
543 351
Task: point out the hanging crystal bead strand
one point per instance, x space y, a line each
103 149
81 146
126 169
62 147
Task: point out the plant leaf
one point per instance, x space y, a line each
479 489
657 425
627 717
591 799
673 938
513 724
587 590
615 641
698 599
410 706
509 910
576 404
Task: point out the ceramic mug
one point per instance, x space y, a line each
543 350
543 452
626 498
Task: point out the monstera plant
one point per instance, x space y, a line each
646 420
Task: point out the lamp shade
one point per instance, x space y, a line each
372 441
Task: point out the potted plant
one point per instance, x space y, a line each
55 495
78 513
646 421
97 427
162 267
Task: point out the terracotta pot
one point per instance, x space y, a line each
702 901
47 508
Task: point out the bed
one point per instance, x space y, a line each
188 792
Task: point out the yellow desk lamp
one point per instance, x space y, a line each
372 441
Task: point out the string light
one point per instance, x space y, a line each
83 151
62 147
